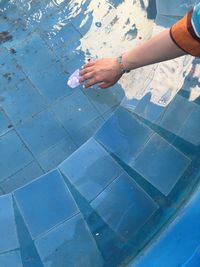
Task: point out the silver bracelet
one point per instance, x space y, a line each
123 69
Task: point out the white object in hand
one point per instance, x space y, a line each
73 80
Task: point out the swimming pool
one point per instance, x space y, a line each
95 177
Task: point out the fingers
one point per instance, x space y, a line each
102 72
89 64
103 85
84 71
86 77
91 82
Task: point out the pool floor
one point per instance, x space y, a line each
92 177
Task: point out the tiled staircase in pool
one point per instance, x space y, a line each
95 206
114 191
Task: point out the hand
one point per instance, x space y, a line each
104 72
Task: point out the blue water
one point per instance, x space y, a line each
90 177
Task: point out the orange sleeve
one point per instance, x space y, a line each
183 35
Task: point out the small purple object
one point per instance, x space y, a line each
73 81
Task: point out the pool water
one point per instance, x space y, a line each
93 177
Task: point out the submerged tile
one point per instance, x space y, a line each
161 164
45 202
96 169
23 102
22 177
123 135
70 244
194 259
174 8
116 3
75 111
10 73
51 82
83 21
148 110
75 61
8 233
5 24
10 259
42 132
176 114
80 136
34 47
191 129
1 192
68 51
109 113
54 155
104 100
63 36
29 255
50 18
124 206
5 123
10 144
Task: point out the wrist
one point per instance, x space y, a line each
123 68
131 59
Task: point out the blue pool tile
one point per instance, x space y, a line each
109 113
115 3
42 132
194 260
124 206
176 114
68 52
34 47
5 25
74 111
10 144
51 82
1 192
161 164
123 135
129 103
96 169
49 18
191 129
80 136
54 155
29 255
50 203
83 5
22 102
181 237
10 73
76 61
70 244
22 177
104 100
5 123
148 110
83 21
174 8
63 36
10 259
10 12
8 233
18 31
14 41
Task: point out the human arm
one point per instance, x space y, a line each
167 45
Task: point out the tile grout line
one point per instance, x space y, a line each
27 147
10 176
